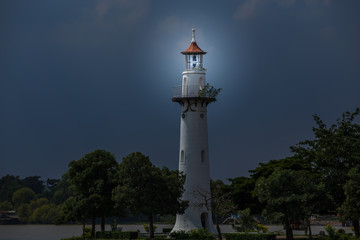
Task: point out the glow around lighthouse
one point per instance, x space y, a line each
194 151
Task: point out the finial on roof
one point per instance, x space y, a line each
193 35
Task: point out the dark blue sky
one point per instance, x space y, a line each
76 76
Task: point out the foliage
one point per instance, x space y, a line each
179 234
45 214
247 222
113 225
209 92
350 210
221 202
117 235
8 185
241 192
245 236
330 230
24 211
6 206
34 183
166 230
146 228
333 152
200 234
139 185
93 178
262 228
291 195
23 196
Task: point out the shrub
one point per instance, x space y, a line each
166 230
245 236
200 234
330 231
117 235
147 228
179 234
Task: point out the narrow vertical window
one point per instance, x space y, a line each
202 156
182 157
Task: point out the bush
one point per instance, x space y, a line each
117 235
166 230
147 228
201 234
179 234
245 236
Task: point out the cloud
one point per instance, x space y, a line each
100 20
247 9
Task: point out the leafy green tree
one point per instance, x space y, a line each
350 210
34 183
22 196
24 212
34 204
44 214
289 195
6 206
8 185
93 178
63 190
75 209
241 192
147 189
221 202
247 222
333 152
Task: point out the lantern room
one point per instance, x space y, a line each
194 56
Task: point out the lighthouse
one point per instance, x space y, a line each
194 150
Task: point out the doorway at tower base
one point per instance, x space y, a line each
193 220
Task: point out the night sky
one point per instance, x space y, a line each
76 76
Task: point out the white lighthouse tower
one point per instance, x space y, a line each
194 150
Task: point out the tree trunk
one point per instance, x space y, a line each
289 233
93 226
356 227
103 223
218 227
151 227
83 227
309 225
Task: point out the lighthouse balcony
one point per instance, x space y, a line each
188 92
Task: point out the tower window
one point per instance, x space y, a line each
182 157
202 156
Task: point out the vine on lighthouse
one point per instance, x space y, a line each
209 92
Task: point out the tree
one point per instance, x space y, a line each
289 195
75 209
247 222
241 192
8 185
147 189
44 214
63 190
93 178
6 206
22 196
350 210
221 202
333 152
34 183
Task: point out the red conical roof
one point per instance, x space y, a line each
193 49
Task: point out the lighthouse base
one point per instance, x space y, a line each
193 218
